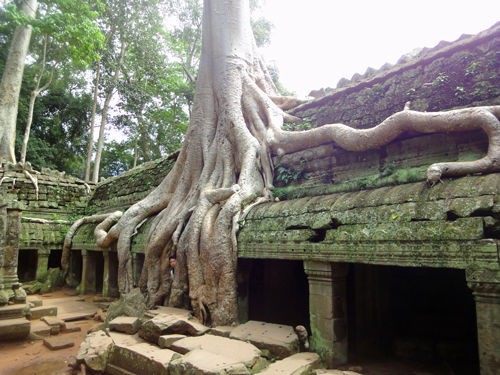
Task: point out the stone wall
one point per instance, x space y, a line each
451 75
48 202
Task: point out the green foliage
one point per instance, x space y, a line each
58 133
286 175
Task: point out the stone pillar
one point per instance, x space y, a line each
42 264
328 310
88 282
485 287
105 276
10 225
135 268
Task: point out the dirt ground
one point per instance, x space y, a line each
31 357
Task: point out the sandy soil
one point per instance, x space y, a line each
32 357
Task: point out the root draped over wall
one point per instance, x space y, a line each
225 167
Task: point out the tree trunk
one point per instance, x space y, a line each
34 94
225 166
90 145
10 86
104 115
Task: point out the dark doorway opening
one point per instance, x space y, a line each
424 315
99 269
27 264
278 291
55 259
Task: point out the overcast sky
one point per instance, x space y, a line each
316 42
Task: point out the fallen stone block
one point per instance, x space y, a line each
41 311
138 358
123 339
166 341
280 340
223 331
296 364
95 350
13 311
204 362
238 351
57 343
53 321
163 324
125 324
14 329
69 328
335 372
35 301
40 328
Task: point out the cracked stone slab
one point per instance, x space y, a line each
166 341
163 324
141 357
94 350
202 362
237 350
296 364
280 340
125 324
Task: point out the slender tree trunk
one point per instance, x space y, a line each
90 145
10 85
104 115
34 94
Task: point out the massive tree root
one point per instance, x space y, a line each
225 165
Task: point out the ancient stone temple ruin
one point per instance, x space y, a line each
358 248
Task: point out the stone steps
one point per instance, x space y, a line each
13 311
14 329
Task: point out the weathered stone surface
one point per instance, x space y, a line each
335 372
40 328
34 301
57 343
14 329
130 304
13 311
163 324
39 312
141 358
223 331
54 321
280 340
238 350
202 362
296 364
123 339
95 350
166 341
125 324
